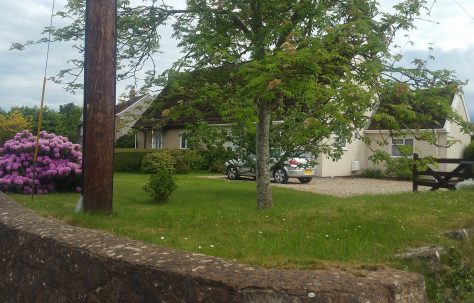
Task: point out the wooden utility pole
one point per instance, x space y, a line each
99 105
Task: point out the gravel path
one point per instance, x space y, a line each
344 186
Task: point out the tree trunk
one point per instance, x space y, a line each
264 113
264 192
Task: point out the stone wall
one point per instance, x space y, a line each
44 260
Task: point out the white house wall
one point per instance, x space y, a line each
423 148
355 151
457 150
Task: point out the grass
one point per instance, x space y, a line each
303 230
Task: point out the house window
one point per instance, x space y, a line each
183 141
157 140
357 136
398 143
340 142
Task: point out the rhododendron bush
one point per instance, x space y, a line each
58 167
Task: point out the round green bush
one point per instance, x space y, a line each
186 160
161 185
469 151
216 166
126 141
469 154
158 161
400 168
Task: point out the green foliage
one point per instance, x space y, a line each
456 282
216 166
469 151
405 108
69 117
187 160
64 122
51 118
126 141
210 143
12 123
130 160
399 168
158 161
372 173
301 63
161 184
469 154
369 228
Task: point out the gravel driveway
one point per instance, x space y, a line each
347 186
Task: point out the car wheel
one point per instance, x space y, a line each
232 173
305 180
280 176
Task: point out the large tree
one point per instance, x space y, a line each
297 74
70 116
64 122
10 124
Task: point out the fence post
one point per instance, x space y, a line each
415 172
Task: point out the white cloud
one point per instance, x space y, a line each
447 26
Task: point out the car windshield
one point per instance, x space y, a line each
276 154
300 154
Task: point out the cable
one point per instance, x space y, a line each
40 114
467 13
429 12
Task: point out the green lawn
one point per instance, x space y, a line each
303 230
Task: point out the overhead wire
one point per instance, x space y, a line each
40 114
465 10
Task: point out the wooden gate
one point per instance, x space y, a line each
441 179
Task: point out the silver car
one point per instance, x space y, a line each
294 167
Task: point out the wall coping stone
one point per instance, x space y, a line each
170 275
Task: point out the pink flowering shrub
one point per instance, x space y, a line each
59 164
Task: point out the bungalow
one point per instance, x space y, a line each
357 153
155 131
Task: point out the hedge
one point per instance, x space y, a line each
130 160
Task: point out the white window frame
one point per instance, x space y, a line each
343 147
181 136
157 139
393 146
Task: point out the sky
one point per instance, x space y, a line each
448 28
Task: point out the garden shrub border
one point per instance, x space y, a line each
130 159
